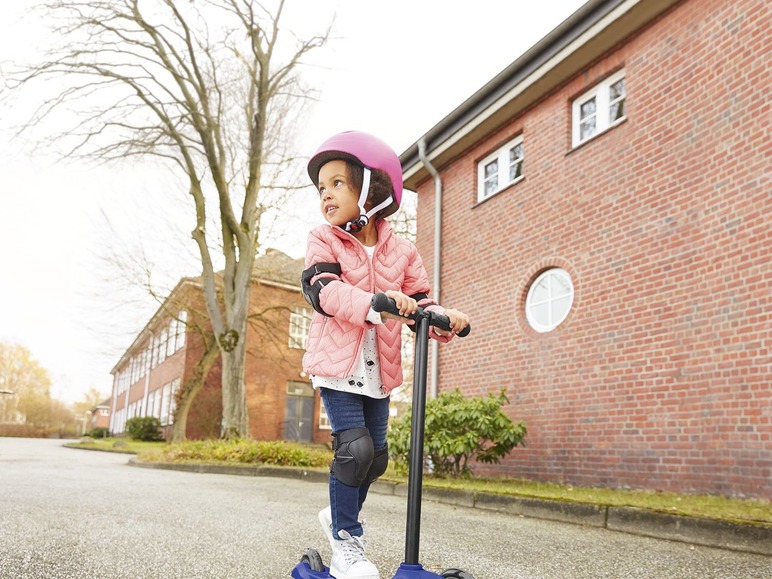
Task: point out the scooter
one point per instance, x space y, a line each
311 565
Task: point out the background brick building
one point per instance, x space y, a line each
280 400
98 416
649 199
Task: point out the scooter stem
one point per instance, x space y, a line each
415 475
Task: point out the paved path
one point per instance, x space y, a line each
67 513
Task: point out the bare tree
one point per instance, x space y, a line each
207 87
25 394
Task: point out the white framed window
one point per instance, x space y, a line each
174 385
163 406
500 169
324 420
159 394
150 403
300 321
600 108
170 341
147 356
163 339
142 363
549 299
182 327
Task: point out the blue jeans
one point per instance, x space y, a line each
345 411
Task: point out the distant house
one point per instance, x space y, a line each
280 399
607 221
99 416
9 411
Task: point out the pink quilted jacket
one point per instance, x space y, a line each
335 342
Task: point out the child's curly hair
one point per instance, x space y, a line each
380 186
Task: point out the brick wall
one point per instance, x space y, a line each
272 364
661 377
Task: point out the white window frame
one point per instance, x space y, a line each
159 394
171 337
503 170
553 294
182 327
150 403
173 387
163 406
162 341
324 420
600 92
300 322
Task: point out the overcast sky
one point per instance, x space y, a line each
395 69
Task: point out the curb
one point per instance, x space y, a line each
246 470
744 537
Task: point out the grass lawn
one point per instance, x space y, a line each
124 445
290 454
709 506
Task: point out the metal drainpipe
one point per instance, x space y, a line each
437 257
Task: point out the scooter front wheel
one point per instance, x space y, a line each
313 559
456 574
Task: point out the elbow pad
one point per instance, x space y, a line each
311 290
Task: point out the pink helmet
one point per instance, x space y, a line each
366 150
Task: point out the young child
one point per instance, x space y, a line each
353 353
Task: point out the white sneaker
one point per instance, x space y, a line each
325 519
349 560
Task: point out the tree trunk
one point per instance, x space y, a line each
235 420
180 426
188 394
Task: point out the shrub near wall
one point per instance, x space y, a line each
459 431
145 428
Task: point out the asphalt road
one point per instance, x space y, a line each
67 513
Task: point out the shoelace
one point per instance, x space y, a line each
352 548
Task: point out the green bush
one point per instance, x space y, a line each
459 430
242 451
146 428
99 432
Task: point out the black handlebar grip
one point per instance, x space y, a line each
383 303
465 332
442 322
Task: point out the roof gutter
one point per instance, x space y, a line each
437 269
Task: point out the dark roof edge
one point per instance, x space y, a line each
540 53
163 308
160 311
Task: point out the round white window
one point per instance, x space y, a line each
549 299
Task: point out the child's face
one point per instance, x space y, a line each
337 196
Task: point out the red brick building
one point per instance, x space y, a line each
606 218
280 400
99 416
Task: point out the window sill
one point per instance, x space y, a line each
596 135
499 192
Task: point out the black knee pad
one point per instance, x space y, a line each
379 465
354 454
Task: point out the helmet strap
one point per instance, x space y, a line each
364 217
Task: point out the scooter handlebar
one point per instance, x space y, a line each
383 303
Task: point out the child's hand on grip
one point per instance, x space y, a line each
405 304
458 321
